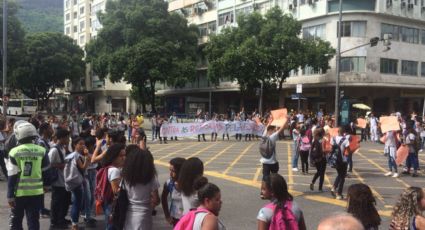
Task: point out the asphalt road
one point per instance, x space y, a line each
235 168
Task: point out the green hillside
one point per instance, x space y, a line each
41 15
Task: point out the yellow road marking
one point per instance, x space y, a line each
376 193
218 154
164 148
173 153
382 169
290 174
200 151
257 174
237 159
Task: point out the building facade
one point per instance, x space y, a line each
385 79
91 94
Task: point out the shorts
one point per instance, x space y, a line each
270 168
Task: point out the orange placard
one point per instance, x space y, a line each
279 117
333 132
354 143
361 123
402 153
326 145
257 120
389 123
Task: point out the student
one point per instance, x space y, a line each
81 160
90 184
171 197
271 165
275 189
412 159
342 142
295 154
141 184
190 179
362 205
390 150
318 158
304 147
407 213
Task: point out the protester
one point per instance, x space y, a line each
407 213
171 197
340 221
190 179
3 136
362 205
134 127
304 147
318 158
295 155
141 183
90 184
341 144
173 119
412 159
282 205
27 167
390 150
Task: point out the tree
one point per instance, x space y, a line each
15 38
49 59
143 44
264 48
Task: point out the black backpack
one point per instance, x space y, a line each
266 147
335 158
316 152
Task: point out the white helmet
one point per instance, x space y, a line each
24 130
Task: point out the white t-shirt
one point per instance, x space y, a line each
300 117
190 202
266 214
113 173
410 139
344 144
54 158
139 196
199 218
272 160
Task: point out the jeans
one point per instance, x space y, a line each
321 169
59 205
270 168
423 142
350 162
340 178
30 206
3 163
89 192
304 160
391 164
412 160
129 133
107 209
153 132
295 155
77 202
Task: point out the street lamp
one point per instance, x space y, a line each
338 62
4 53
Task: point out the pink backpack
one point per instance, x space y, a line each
305 143
283 219
187 221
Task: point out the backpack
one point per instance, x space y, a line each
305 143
266 147
335 158
316 152
187 221
85 125
418 143
72 174
283 219
103 192
53 173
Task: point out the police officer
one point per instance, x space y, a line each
27 167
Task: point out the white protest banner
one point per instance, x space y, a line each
208 127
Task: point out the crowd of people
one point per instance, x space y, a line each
89 165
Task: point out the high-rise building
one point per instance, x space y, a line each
91 94
386 78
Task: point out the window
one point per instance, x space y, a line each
423 69
67 4
207 28
314 32
390 29
353 64
423 37
67 30
68 16
308 70
410 35
75 15
389 66
75 29
75 2
82 10
353 29
82 39
409 68
245 10
81 26
225 18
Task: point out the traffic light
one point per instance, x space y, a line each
374 41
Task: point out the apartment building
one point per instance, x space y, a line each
91 94
386 79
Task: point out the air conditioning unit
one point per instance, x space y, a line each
410 6
291 7
403 5
389 3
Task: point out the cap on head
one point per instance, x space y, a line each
25 130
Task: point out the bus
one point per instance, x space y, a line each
19 107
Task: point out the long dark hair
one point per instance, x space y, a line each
138 167
191 169
361 204
277 184
111 154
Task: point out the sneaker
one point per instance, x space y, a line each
415 175
333 192
395 175
311 187
294 169
388 174
339 197
421 150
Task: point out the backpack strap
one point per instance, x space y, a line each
59 152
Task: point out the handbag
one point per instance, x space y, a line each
119 208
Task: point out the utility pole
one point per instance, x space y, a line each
338 63
4 56
260 106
